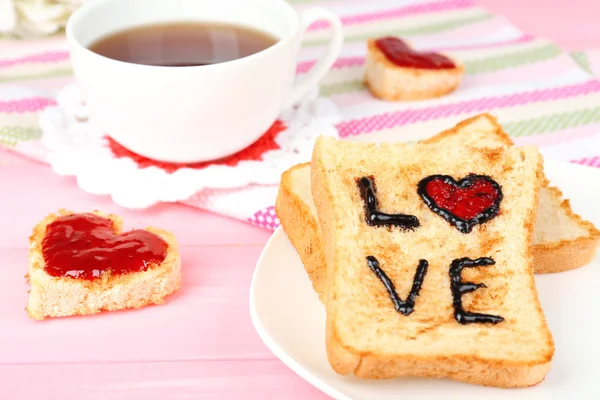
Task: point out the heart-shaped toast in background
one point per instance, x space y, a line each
395 71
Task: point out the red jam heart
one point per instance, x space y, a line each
401 54
472 200
85 246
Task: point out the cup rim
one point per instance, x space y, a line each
88 6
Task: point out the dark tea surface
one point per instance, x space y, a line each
183 44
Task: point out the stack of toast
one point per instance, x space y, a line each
424 254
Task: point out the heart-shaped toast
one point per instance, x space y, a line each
84 263
395 71
472 200
86 246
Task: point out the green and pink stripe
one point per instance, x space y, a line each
390 120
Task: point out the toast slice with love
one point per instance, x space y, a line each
562 240
429 261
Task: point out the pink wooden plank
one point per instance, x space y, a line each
29 192
208 319
268 379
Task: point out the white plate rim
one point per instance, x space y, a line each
288 360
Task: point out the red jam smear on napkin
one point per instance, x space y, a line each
401 54
253 152
85 246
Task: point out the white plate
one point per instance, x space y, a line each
289 318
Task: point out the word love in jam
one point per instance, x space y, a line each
472 200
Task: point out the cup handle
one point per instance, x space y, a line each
318 71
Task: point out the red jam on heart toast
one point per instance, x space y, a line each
401 54
84 263
85 246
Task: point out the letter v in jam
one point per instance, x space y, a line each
405 307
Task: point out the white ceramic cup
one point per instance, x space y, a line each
197 113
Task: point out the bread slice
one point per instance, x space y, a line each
432 337
389 81
562 240
52 296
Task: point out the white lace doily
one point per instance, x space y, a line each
77 147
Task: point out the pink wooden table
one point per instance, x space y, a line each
220 251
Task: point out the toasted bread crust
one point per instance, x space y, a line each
63 296
566 255
297 214
343 359
388 81
471 368
499 132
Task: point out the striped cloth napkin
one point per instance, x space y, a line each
541 95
